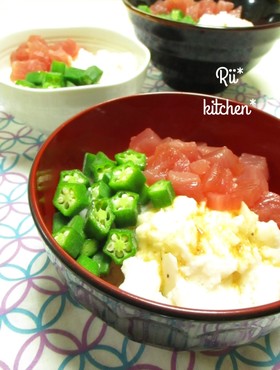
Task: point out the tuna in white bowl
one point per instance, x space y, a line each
123 62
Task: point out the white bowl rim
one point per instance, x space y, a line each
68 31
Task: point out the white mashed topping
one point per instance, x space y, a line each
191 256
223 19
116 66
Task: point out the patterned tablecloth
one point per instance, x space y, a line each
41 327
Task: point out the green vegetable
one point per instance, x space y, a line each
125 208
74 177
98 208
127 176
36 78
174 15
58 66
70 199
89 247
94 73
145 8
81 77
144 195
89 158
70 240
45 79
69 84
130 155
161 193
99 189
25 83
52 80
120 244
59 221
78 223
89 264
188 19
75 75
102 158
103 261
102 171
99 264
101 167
99 219
61 75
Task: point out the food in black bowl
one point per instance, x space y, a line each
205 58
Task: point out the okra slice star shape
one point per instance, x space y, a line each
130 155
99 219
98 190
120 244
70 198
74 177
128 177
161 193
70 240
125 208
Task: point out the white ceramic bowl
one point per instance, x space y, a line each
45 109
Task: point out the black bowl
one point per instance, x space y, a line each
189 56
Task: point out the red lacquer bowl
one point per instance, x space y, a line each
108 127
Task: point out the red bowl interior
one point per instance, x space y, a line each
109 126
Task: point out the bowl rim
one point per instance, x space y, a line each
51 32
108 288
186 26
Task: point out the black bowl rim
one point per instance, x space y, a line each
186 26
113 291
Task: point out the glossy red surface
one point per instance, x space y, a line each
108 127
